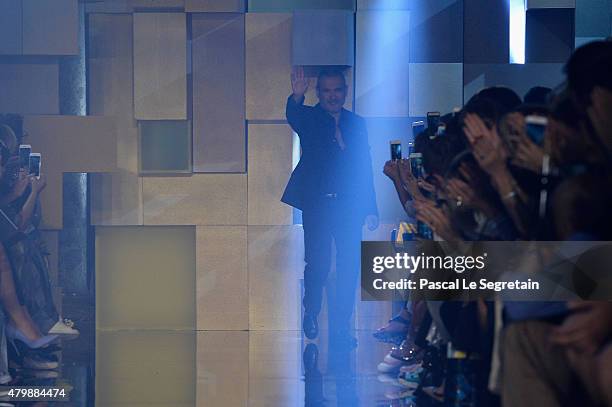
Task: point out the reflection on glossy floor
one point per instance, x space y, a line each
222 368
233 368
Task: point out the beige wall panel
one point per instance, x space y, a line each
145 277
222 370
435 88
110 58
117 196
382 63
276 264
109 6
268 65
10 27
50 27
219 140
275 369
69 144
29 88
222 280
145 368
143 4
160 66
207 6
203 199
383 4
116 199
74 143
270 153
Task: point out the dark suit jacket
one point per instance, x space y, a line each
326 169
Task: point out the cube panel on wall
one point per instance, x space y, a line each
160 66
533 4
219 135
435 88
200 199
116 198
164 146
276 261
268 65
157 4
382 60
436 31
10 27
270 6
270 165
222 280
487 31
383 4
549 35
593 18
29 88
129 256
219 6
50 27
70 144
323 37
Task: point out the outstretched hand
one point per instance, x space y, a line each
299 82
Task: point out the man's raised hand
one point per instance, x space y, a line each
299 83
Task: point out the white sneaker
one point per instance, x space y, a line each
64 327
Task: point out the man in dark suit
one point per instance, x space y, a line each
333 186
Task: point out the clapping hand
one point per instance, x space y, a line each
22 183
486 144
391 170
436 218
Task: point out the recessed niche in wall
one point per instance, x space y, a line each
165 146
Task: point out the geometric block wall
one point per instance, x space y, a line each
220 70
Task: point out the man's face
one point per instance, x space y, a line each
331 92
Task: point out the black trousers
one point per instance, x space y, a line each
331 220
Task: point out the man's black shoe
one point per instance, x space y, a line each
310 326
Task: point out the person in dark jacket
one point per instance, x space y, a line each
333 186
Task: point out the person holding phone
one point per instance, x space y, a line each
333 186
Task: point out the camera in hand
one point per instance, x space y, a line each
34 164
396 150
24 155
536 126
417 128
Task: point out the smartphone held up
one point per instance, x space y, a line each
24 155
34 165
396 150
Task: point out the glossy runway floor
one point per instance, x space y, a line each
220 368
234 368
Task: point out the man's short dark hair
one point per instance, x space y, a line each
331 73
